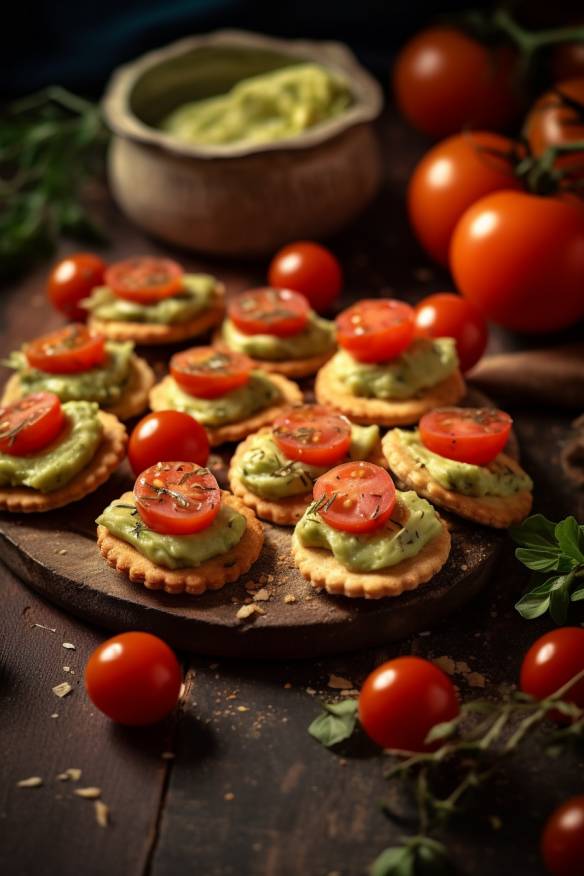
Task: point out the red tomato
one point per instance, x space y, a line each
30 424
313 434
474 435
210 373
145 279
445 81
355 497
376 330
177 498
450 178
134 679
555 120
551 662
72 279
166 435
519 259
446 315
562 840
567 61
68 350
402 700
308 268
266 311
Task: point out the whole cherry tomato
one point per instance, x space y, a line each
473 435
177 498
562 840
551 662
355 497
166 435
402 700
445 315
308 268
133 678
68 350
28 425
557 118
72 279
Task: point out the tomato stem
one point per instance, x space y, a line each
527 41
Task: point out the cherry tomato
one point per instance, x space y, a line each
555 120
551 662
562 840
445 80
402 700
446 315
145 279
177 498
355 496
210 373
473 435
30 424
134 679
166 435
376 330
68 350
308 268
267 311
519 259
72 279
450 178
313 434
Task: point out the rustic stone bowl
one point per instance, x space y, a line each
238 199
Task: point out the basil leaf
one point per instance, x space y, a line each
336 723
531 606
570 538
544 559
560 598
578 595
535 531
398 861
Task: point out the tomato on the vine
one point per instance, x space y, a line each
472 435
562 839
355 497
68 350
72 279
145 279
313 433
177 498
551 662
376 329
557 118
308 268
30 424
445 315
165 435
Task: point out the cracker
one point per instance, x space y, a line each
210 575
109 454
329 390
290 392
497 511
293 368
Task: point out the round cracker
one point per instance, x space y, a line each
329 390
110 452
497 511
210 575
294 368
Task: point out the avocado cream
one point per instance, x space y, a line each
317 337
196 295
258 393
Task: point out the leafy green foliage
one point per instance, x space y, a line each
419 856
336 723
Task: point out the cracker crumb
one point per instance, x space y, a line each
262 595
72 773
61 690
101 813
247 611
63 552
32 782
289 598
353 692
462 667
251 585
311 691
288 685
55 715
43 627
337 682
66 669
69 646
88 793
229 796
475 679
242 709
445 663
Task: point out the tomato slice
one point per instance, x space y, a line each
30 424
209 373
474 435
376 330
145 279
313 434
268 311
177 498
355 497
68 350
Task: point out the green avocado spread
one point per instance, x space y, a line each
266 471
258 393
424 364
195 296
104 384
60 461
317 337
123 520
264 108
496 479
397 540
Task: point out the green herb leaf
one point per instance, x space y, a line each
398 861
544 559
432 859
336 723
570 538
442 731
535 531
560 598
578 595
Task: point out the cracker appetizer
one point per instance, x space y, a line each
455 459
361 537
81 365
274 470
152 301
384 375
279 331
179 532
223 392
52 454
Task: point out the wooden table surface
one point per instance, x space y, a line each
246 790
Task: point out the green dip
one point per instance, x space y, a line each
258 393
58 463
263 108
174 551
195 296
495 479
384 547
317 337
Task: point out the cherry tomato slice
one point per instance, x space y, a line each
376 330
562 840
308 268
30 424
209 373
68 350
177 498
72 279
144 279
166 435
473 435
268 311
355 497
313 434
